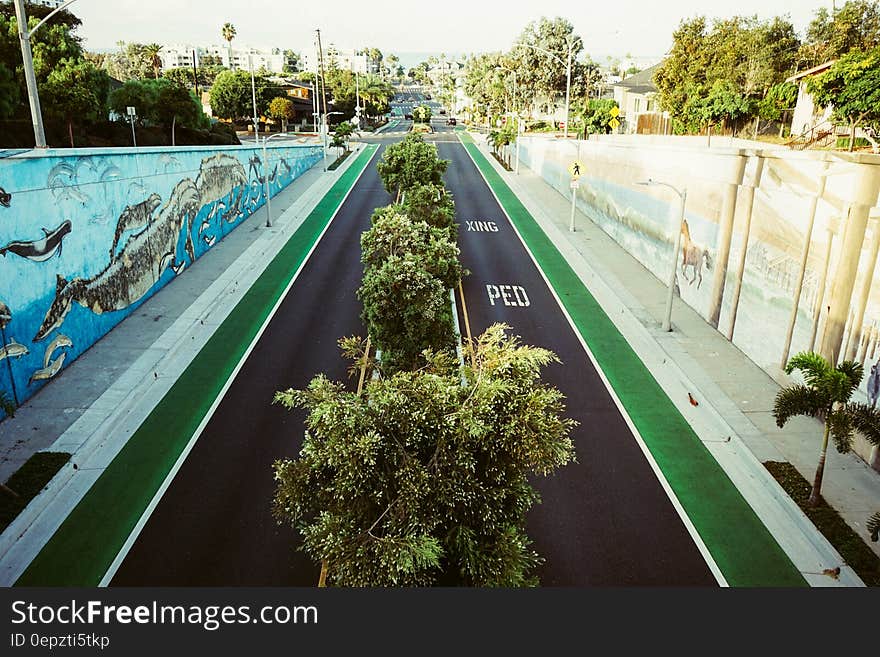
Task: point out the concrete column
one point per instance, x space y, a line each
725 234
749 200
805 254
820 295
864 197
856 327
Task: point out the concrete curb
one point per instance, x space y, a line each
808 549
102 431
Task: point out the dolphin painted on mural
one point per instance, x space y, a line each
137 267
50 370
58 342
42 249
13 350
135 216
112 172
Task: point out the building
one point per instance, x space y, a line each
345 60
181 55
809 121
636 97
51 4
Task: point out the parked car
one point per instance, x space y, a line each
408 117
450 120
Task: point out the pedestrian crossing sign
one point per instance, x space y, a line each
614 123
576 170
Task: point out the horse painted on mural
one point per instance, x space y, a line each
693 256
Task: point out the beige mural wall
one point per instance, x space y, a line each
783 200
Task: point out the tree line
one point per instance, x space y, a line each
733 71
420 476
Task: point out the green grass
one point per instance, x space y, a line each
27 482
845 540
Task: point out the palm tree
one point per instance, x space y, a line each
228 32
151 54
826 396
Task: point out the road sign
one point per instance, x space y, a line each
576 169
614 123
574 184
131 111
615 112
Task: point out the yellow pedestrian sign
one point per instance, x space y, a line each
614 123
576 170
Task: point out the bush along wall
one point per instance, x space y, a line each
88 235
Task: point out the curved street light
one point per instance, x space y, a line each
567 64
682 195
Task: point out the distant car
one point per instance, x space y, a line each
443 111
408 117
450 121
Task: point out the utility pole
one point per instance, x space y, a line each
196 75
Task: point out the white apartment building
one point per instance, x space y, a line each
52 4
181 55
345 60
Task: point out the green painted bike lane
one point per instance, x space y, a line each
87 542
740 544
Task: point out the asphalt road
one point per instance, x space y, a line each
213 526
605 520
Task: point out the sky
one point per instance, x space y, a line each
641 28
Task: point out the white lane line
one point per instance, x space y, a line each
689 525
145 516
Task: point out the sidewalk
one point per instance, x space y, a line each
734 416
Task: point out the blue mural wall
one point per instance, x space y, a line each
87 235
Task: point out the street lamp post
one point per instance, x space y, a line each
682 195
567 64
254 97
266 176
516 112
27 57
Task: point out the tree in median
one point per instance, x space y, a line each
410 162
406 310
826 396
432 204
422 479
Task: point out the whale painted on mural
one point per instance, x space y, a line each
219 177
135 216
41 249
133 271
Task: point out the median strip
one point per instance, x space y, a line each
740 544
84 546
